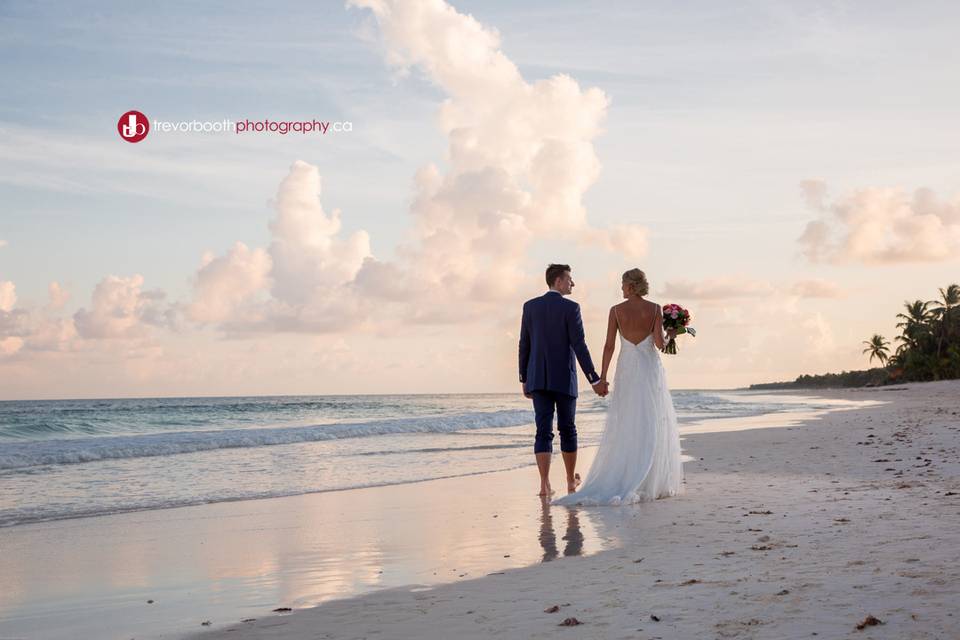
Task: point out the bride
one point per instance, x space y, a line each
639 454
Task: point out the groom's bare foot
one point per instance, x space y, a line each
572 486
545 490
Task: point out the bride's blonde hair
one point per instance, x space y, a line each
637 280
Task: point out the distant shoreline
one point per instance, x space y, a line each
877 377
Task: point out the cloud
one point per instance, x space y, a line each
721 288
10 322
304 281
10 345
814 193
630 241
32 329
224 283
3 243
58 296
816 289
880 226
52 334
311 260
817 335
751 330
8 295
520 159
746 342
121 309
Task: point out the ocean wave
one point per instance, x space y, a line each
79 450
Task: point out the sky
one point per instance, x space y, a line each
788 171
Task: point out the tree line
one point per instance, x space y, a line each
927 348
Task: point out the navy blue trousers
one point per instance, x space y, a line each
545 404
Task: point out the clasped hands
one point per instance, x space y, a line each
601 388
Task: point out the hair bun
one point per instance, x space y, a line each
637 280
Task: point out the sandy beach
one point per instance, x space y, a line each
787 532
798 523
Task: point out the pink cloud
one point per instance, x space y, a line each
881 226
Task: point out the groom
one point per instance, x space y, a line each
551 334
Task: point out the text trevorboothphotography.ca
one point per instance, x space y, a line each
283 127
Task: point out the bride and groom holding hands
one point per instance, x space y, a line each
639 454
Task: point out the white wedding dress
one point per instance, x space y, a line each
639 455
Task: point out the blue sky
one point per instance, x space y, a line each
717 112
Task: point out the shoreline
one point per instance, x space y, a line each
93 510
782 532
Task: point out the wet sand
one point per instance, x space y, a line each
93 577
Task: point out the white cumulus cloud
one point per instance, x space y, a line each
58 296
8 295
32 329
120 309
304 281
520 159
222 283
311 259
880 225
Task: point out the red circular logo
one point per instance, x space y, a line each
133 126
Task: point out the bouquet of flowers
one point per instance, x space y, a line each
677 318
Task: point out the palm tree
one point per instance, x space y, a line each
915 322
949 298
877 347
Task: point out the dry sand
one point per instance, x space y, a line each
790 532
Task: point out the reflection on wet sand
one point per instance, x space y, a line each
548 537
234 560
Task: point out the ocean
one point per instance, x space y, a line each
64 459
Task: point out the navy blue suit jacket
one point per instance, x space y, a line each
551 336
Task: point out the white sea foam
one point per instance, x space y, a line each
20 455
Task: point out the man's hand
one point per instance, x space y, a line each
602 388
526 394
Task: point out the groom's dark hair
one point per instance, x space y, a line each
554 271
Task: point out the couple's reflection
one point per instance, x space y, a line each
548 537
